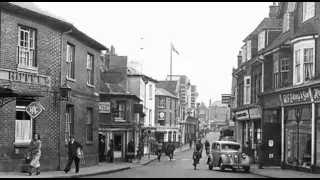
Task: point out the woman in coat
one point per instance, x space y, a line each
140 151
170 148
130 151
35 152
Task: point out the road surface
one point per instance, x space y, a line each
180 167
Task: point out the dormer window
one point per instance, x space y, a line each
286 22
249 50
261 40
244 53
308 10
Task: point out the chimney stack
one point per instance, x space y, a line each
239 58
273 10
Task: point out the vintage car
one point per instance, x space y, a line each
227 154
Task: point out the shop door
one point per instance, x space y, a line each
272 143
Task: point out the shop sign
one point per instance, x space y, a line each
296 97
271 101
316 93
104 107
242 115
34 109
254 113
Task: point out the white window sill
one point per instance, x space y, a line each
71 79
27 69
90 85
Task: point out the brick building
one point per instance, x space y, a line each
38 50
166 106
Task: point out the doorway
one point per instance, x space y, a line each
118 145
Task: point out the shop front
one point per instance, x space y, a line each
300 118
271 129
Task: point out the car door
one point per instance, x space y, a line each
216 154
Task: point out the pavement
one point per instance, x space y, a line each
102 168
277 172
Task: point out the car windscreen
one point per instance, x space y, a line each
231 146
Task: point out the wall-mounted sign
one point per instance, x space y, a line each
296 97
104 107
270 156
270 143
254 113
316 93
242 115
34 109
225 98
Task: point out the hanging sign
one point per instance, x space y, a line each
242 115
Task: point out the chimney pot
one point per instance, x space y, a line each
273 10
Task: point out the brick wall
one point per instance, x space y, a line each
48 62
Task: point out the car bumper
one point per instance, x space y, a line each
237 166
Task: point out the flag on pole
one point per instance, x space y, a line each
173 49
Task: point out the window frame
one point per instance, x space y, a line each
275 74
150 91
286 22
300 47
70 60
249 53
150 116
89 125
69 126
18 141
261 40
286 70
247 90
123 110
90 69
308 10
29 62
164 102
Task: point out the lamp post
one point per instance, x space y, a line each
149 144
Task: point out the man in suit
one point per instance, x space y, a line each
73 145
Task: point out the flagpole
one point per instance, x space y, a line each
171 61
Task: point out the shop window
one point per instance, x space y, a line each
298 137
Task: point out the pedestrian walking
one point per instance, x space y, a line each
111 151
102 147
159 150
35 153
170 149
190 143
130 151
197 153
260 149
140 151
73 154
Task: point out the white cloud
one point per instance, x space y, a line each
207 35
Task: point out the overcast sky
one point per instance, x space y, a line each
207 35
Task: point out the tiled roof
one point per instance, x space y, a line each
162 92
308 28
32 7
282 38
133 72
169 86
265 23
115 89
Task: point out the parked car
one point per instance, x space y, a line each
227 154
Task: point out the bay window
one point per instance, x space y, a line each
261 40
304 66
121 106
308 10
247 89
276 74
26 47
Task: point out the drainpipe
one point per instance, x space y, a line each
59 142
262 77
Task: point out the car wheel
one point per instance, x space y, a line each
221 166
247 169
234 169
210 167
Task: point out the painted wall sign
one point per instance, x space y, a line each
296 97
104 107
254 113
271 100
242 115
